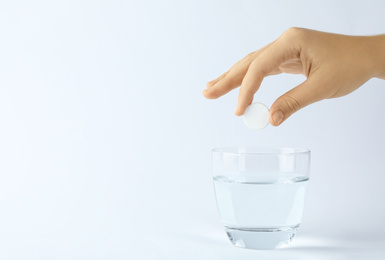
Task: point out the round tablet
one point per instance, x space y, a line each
256 116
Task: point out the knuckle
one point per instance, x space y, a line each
257 68
246 60
293 31
250 56
293 34
228 82
291 103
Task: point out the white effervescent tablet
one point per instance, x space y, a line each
256 116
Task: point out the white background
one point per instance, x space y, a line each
105 137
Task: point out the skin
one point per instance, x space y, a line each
334 65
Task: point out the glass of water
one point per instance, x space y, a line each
260 193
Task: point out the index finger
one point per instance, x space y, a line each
268 61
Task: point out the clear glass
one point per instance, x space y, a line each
260 193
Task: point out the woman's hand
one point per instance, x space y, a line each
334 65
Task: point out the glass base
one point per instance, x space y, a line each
261 238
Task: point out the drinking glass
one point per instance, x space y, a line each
260 193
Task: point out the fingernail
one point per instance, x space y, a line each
278 117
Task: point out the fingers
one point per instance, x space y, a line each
213 82
304 94
232 78
231 81
267 62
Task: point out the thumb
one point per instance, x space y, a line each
292 101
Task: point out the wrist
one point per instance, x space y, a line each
379 55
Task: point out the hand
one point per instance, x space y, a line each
334 65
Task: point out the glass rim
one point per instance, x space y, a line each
261 150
